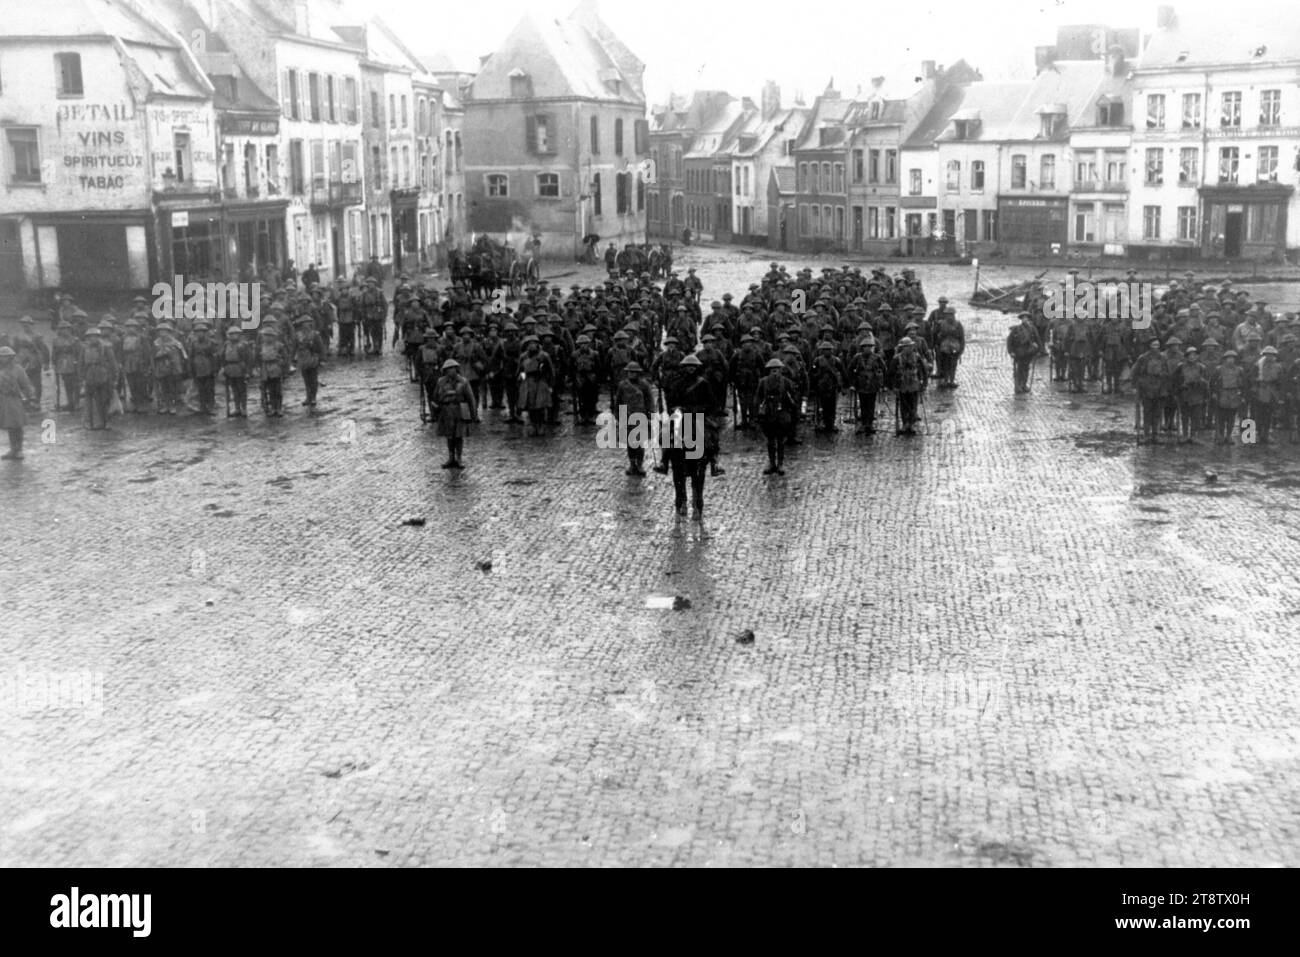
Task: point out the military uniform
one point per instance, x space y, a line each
775 400
32 355
694 399
637 400
455 409
1152 376
236 367
1023 347
98 373
1227 388
827 381
272 366
1191 389
204 361
308 350
908 372
66 359
15 391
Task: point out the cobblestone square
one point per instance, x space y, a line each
1015 640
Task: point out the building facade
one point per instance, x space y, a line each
821 177
297 48
1216 139
105 114
556 135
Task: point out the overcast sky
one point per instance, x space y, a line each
733 45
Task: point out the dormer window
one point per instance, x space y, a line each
1051 120
875 110
966 125
521 85
1110 112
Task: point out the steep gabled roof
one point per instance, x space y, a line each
785 178
936 120
827 113
996 105
217 59
709 138
1070 83
1227 37
80 18
563 58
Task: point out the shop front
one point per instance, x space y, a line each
223 241
1033 225
1245 222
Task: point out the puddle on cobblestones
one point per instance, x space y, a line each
1110 444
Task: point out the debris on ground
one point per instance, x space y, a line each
416 522
746 637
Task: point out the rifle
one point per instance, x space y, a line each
735 416
57 377
227 382
424 403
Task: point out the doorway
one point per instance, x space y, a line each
1232 235
11 256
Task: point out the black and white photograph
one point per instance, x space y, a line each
594 434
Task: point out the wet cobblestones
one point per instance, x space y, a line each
1015 641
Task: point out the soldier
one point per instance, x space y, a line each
694 398
1113 343
1266 391
746 370
1023 347
1174 356
169 364
472 361
693 287
204 360
15 391
1151 377
33 356
494 395
536 373
908 372
98 373
1191 389
633 398
506 360
1078 347
586 381
827 381
951 335
1227 387
137 364
66 359
1059 353
272 365
374 310
236 366
456 411
347 307
866 375
308 350
428 366
775 401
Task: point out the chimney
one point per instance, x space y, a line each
771 99
928 71
876 83
1115 60
300 22
1043 58
1165 18
747 104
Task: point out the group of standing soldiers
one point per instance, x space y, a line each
148 362
786 351
1211 359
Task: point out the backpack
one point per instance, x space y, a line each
773 403
909 379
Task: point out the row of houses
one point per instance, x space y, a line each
221 139
1184 146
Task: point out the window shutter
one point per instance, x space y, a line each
530 134
642 128
286 102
